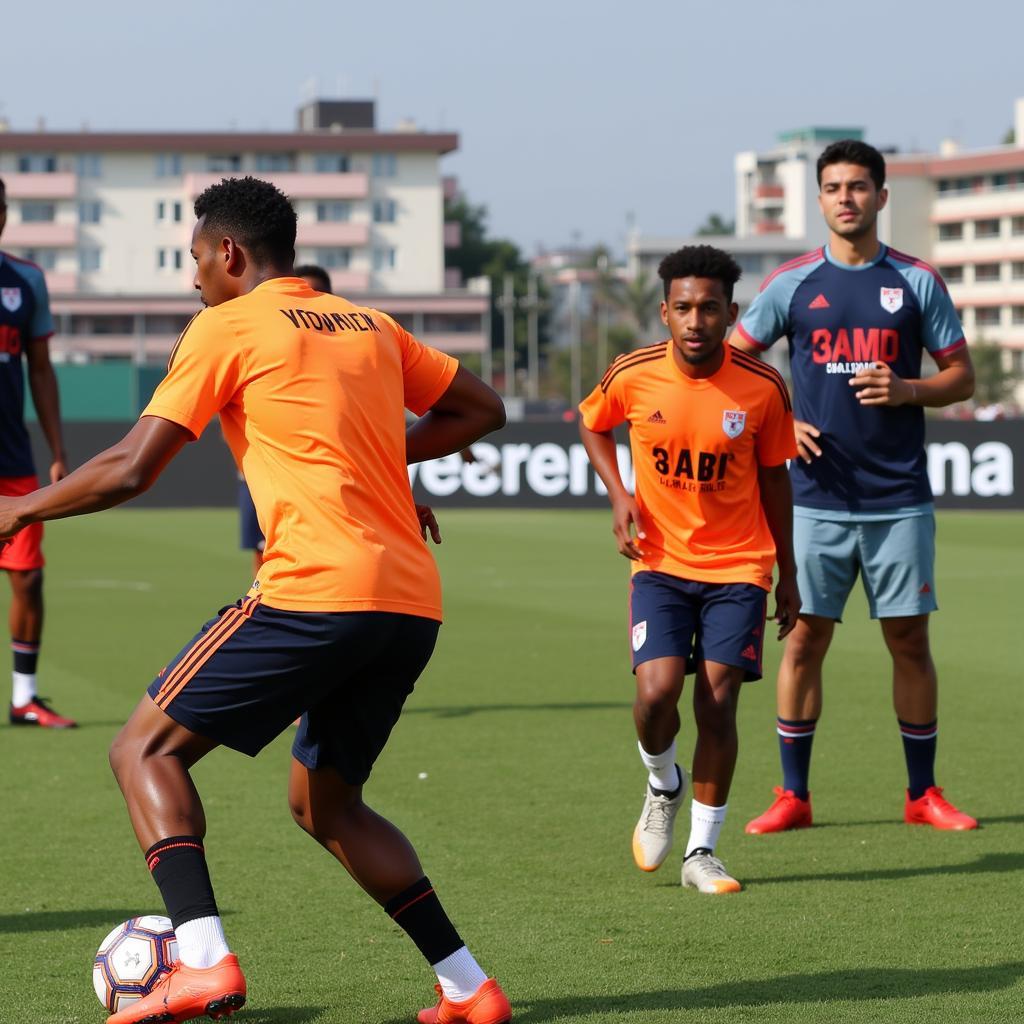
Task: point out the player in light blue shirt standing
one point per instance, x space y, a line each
858 316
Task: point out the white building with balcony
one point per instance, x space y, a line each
108 216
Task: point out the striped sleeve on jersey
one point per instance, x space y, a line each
181 338
646 354
743 361
793 264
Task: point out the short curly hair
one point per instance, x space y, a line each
253 212
700 261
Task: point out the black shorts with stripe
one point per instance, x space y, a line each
252 670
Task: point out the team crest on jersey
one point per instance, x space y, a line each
639 635
11 299
892 299
733 422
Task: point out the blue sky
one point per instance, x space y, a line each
573 116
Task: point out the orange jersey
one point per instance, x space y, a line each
311 392
697 445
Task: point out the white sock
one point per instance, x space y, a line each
705 825
661 768
24 688
201 942
459 975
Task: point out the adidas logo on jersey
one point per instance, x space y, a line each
656 417
820 303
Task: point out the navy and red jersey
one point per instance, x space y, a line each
840 319
24 317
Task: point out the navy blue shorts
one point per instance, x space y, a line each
250 672
675 618
252 538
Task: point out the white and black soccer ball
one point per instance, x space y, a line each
131 959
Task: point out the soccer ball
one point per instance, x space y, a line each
131 959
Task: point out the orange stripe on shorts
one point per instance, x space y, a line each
201 659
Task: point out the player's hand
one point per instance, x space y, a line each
806 440
787 604
878 385
626 523
58 470
10 521
425 514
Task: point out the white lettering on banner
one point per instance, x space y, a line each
987 471
549 469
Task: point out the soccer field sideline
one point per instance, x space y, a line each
523 730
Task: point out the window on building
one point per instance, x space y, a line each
331 163
1016 361
223 163
333 210
335 257
168 259
1017 270
953 274
945 185
1017 225
44 258
1017 316
168 165
88 259
168 211
1000 180
275 162
383 259
986 316
385 165
988 228
37 163
951 232
38 213
90 211
89 165
987 272
384 211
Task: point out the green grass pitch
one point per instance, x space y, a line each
523 729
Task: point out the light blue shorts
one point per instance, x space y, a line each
895 557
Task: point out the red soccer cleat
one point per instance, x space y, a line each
788 812
38 712
488 1005
189 992
935 810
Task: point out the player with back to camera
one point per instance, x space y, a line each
25 328
710 432
343 616
858 315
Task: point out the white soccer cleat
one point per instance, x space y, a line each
703 871
652 837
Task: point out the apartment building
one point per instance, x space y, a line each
964 212
108 216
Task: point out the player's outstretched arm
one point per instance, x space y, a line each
777 502
466 412
110 478
600 446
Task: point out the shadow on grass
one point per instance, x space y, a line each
989 863
1005 819
69 920
455 711
790 989
283 1014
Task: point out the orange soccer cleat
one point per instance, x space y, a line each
488 1005
788 811
38 712
189 992
935 810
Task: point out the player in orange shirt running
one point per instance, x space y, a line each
342 618
710 432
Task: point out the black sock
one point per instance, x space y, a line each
178 865
419 912
26 656
919 742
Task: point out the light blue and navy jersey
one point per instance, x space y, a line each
840 319
24 317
